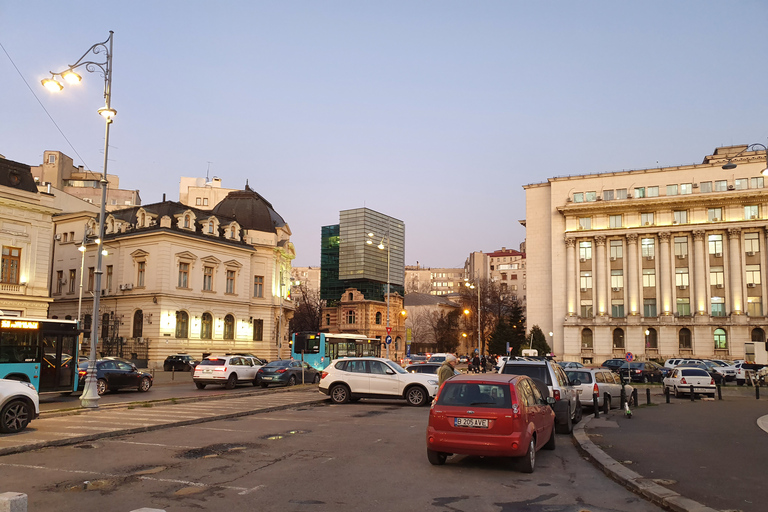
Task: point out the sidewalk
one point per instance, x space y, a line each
689 456
59 429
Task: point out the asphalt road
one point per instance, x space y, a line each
364 456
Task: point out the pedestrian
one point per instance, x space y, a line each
476 363
446 370
483 362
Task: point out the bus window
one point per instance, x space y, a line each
18 347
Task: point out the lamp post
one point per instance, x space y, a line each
90 396
471 286
730 165
381 247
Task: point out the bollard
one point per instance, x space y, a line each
648 396
623 399
719 392
173 372
757 391
666 393
594 405
693 396
606 404
634 397
13 502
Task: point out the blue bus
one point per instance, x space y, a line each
318 349
42 352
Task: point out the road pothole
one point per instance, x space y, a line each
215 450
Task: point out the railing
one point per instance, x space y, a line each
8 287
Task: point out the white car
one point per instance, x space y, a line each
727 371
19 404
681 379
228 371
353 378
600 381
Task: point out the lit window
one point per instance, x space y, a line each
649 277
753 274
681 276
715 243
681 246
752 242
617 251
647 246
585 250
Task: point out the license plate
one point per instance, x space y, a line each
207 371
266 378
470 422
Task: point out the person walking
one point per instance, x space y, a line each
446 370
483 362
476 363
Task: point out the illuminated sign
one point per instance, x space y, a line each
19 324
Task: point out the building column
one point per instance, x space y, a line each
600 276
734 261
632 282
570 276
665 275
699 273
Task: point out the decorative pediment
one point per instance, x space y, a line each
186 255
139 254
211 260
233 264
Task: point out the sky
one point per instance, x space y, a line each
434 112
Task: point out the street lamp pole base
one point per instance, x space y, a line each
90 397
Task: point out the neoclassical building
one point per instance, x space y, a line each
181 279
657 262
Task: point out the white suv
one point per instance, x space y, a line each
228 371
19 404
353 378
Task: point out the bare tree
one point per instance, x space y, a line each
309 307
495 303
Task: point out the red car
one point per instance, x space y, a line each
492 415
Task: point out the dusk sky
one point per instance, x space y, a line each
434 112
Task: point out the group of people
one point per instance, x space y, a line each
476 364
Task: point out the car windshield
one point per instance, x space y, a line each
466 394
437 359
534 371
280 363
584 377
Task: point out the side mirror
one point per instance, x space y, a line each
390 372
576 382
550 400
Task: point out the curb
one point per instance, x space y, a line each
635 482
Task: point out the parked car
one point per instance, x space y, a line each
352 378
723 368
19 404
672 363
427 368
179 363
437 358
570 364
490 415
113 373
227 371
613 364
260 361
463 359
641 371
602 381
681 379
717 377
287 372
567 405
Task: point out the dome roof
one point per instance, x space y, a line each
250 210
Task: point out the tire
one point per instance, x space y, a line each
740 382
264 385
255 382
565 427
200 385
292 380
677 393
15 416
231 382
645 379
101 386
579 413
339 394
416 396
551 443
145 384
316 380
607 403
528 461
436 458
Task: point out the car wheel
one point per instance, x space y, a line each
740 382
436 458
15 416
607 403
645 379
101 386
316 380
231 382
578 413
566 425
340 394
255 382
292 380
551 443
528 462
264 385
200 385
677 393
145 384
416 396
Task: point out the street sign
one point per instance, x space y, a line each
388 340
389 330
630 357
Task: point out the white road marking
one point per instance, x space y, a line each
148 444
248 491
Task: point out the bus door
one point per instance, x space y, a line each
59 367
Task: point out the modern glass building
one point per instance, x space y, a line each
364 251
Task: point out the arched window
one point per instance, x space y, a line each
182 324
618 339
142 221
138 323
351 296
758 335
210 226
684 338
186 221
378 318
206 326
721 339
327 319
351 316
651 338
232 233
586 338
229 327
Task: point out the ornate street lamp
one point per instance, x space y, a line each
90 396
471 286
381 247
730 165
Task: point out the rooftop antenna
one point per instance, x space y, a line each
207 172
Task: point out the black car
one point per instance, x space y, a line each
613 364
641 371
287 372
427 368
180 363
114 374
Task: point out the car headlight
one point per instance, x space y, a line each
432 382
30 385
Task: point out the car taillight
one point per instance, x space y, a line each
595 390
682 381
322 374
515 411
638 371
556 394
281 370
82 373
261 370
712 382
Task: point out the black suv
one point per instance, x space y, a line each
613 364
179 363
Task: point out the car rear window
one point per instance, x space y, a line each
213 362
584 377
694 372
437 359
533 371
465 394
